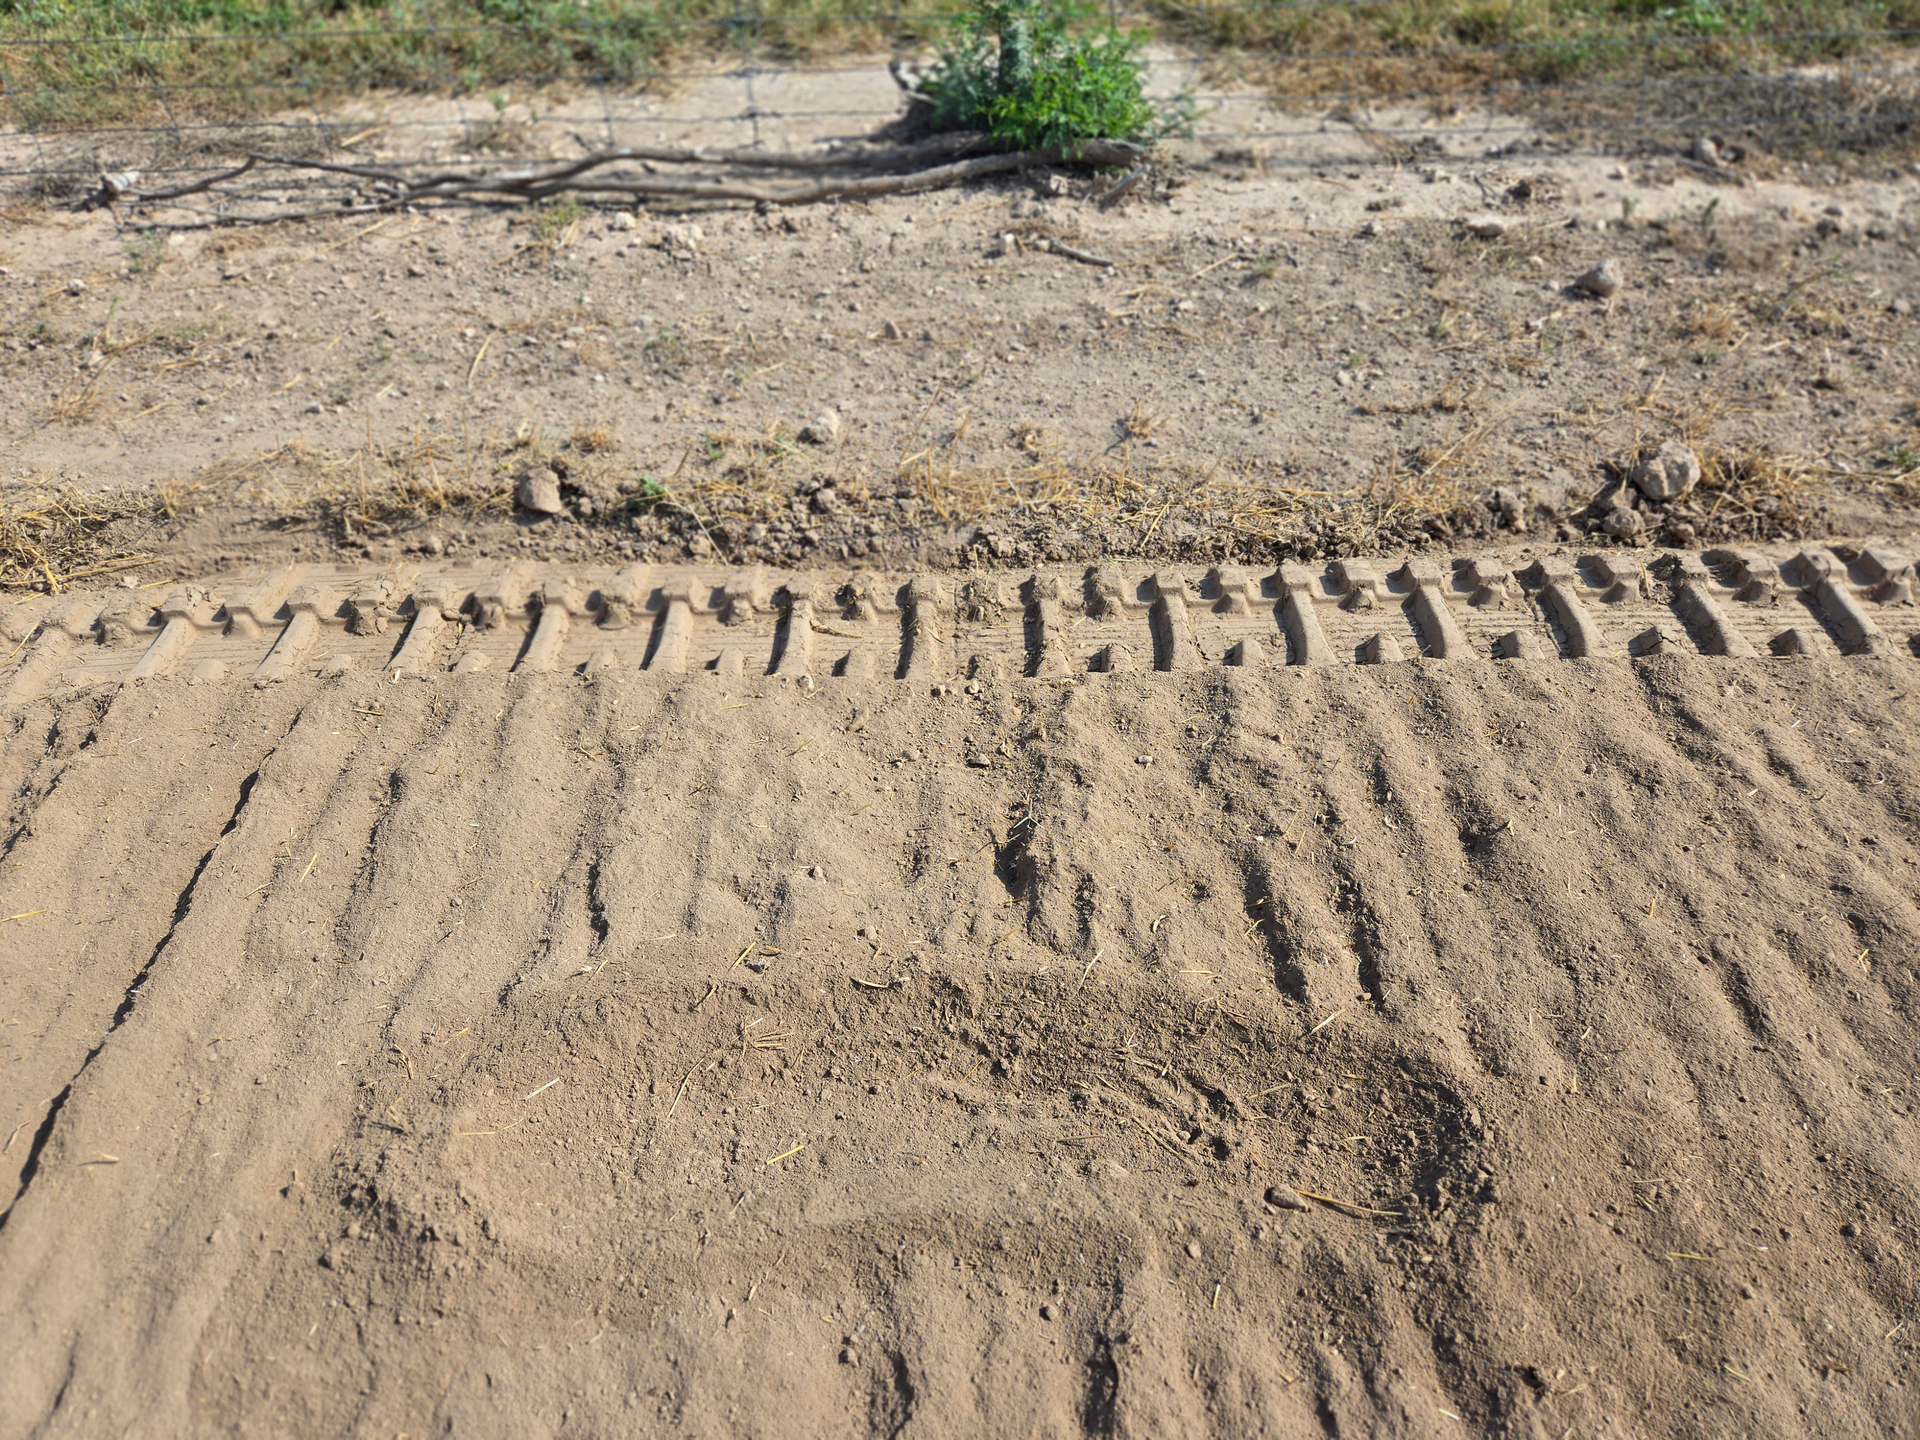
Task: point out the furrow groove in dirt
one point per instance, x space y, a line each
31 1164
1230 1050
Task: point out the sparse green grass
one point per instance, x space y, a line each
235 58
552 221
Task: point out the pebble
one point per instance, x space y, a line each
1193 1249
1600 280
1668 473
1850 1230
1283 1197
824 429
539 491
76 287
1143 759
1487 227
1047 1312
1705 151
1620 523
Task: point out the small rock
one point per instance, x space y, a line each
1850 1230
1705 151
1621 523
1668 473
76 287
414 272
1600 281
890 330
1048 1312
824 429
1487 227
316 408
434 545
1902 306
1283 1197
1370 230
1143 759
1193 1249
625 221
539 491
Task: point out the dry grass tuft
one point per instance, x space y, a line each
1716 324
597 437
373 491
1757 495
52 536
1139 424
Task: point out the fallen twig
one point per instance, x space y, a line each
1073 252
1120 187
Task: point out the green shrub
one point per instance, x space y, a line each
1017 74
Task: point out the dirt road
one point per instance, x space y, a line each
659 1001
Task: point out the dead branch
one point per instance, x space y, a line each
579 177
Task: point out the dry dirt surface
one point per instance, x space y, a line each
1368 999
1300 349
1198 858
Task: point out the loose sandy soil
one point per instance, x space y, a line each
1301 348
1098 1030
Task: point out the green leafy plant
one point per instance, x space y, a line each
1016 73
552 221
643 494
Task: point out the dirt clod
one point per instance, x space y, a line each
1668 473
539 491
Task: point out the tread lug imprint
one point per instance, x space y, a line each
277 625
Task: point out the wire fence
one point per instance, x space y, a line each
428 89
